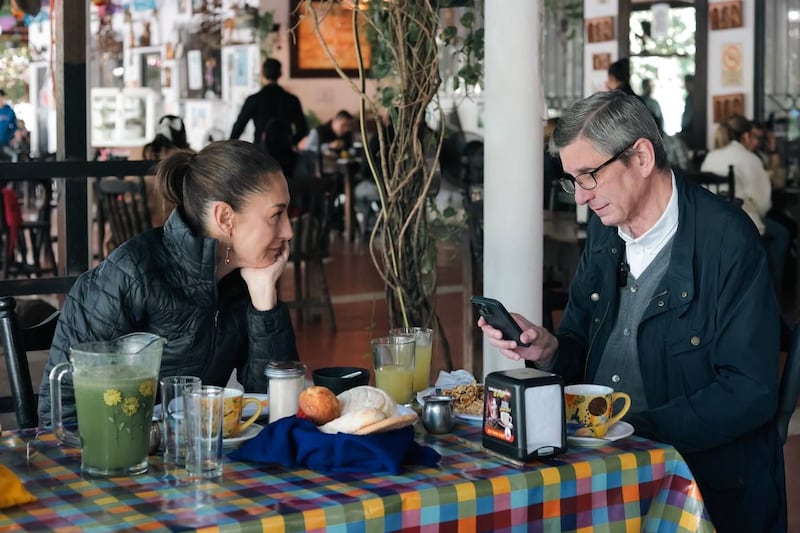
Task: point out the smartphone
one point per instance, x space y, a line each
497 316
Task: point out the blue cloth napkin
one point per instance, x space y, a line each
295 442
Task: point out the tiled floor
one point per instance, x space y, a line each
360 309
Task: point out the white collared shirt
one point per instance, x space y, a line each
640 252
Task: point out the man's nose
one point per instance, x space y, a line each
582 196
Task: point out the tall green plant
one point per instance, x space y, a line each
404 37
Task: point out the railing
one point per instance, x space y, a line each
73 222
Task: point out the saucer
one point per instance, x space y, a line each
250 432
472 420
618 431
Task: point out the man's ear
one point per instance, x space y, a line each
222 216
645 158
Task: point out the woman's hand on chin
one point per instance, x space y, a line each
262 282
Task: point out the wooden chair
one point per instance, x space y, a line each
36 233
17 342
123 204
789 387
724 186
311 212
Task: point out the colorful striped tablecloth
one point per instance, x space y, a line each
633 485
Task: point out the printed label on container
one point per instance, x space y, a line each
499 413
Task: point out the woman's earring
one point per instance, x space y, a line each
228 252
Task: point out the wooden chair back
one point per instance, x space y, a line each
124 206
724 186
17 342
311 211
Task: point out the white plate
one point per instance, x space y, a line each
403 410
620 430
251 431
247 412
472 420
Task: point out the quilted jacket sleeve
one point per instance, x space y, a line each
271 336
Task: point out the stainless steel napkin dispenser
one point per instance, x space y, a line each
523 413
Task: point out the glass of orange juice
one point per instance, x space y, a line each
422 354
393 359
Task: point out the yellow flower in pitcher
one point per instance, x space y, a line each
147 388
112 397
130 405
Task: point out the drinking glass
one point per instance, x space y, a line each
422 354
393 358
173 416
204 406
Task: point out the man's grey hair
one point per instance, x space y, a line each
610 120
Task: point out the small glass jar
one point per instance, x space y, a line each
285 381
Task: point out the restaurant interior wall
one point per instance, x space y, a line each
158 69
725 76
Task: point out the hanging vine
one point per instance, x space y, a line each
403 37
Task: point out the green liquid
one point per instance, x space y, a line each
115 409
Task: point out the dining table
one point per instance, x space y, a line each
632 484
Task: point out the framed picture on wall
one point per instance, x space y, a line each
725 15
307 56
727 105
599 29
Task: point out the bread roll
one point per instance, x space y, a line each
319 405
353 421
366 396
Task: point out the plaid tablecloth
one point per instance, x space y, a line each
634 485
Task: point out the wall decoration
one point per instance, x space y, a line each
725 15
599 29
732 59
601 61
307 57
727 105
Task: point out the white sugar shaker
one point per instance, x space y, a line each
285 381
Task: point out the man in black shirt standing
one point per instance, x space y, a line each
272 101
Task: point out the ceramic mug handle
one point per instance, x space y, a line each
244 425
617 416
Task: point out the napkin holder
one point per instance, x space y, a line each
523 412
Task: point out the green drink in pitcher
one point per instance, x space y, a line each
115 410
115 388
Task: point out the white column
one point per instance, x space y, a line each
513 166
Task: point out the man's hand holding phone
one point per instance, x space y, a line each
533 343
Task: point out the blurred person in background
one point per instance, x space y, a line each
272 101
8 126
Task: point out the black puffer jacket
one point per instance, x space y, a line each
163 282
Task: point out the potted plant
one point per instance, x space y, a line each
405 38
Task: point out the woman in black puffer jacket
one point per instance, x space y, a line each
206 281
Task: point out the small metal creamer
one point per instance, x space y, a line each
438 415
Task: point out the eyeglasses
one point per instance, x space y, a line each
583 180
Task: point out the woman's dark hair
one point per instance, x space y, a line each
226 171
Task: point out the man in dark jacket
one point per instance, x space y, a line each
272 101
672 303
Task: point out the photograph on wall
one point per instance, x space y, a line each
240 24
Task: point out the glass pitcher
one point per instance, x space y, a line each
115 386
